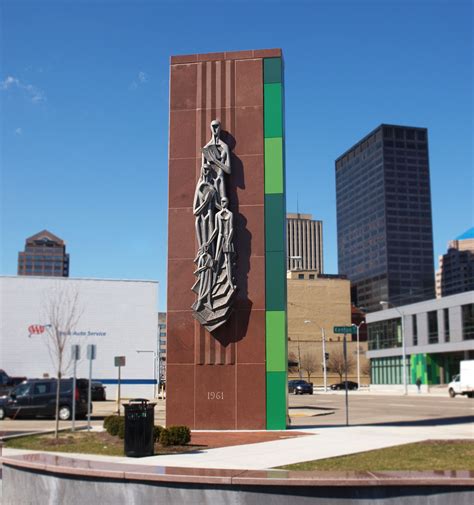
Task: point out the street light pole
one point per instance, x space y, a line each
323 335
154 369
323 338
404 352
358 353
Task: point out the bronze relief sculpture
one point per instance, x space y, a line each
214 286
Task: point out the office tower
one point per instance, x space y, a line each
44 255
384 230
456 267
304 245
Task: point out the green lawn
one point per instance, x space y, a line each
86 443
429 455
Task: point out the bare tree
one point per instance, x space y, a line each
292 362
61 311
309 363
337 364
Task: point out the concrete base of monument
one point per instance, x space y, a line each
238 470
60 480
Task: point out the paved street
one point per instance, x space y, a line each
100 410
328 409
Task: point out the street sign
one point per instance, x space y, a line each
76 352
345 329
119 360
91 351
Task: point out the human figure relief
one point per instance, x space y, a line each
214 286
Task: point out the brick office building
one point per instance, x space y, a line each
44 255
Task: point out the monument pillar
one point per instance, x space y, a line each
226 315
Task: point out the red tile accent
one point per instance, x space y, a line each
267 53
246 184
183 58
251 411
248 82
212 412
210 57
180 395
248 130
183 174
183 87
180 341
182 245
180 282
251 325
183 134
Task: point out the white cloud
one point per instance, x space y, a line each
35 94
19 131
141 78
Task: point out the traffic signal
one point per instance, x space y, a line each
326 356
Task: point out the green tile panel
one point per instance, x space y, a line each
275 280
273 110
271 70
276 400
274 176
276 348
275 222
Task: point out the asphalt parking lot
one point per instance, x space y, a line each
328 409
319 409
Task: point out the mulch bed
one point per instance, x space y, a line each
214 439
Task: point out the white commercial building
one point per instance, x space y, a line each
118 316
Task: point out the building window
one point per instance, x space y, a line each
385 334
300 276
468 321
432 327
311 276
446 325
415 329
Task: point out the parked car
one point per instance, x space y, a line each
37 398
342 385
7 382
300 387
98 391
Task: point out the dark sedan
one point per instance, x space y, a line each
97 392
300 387
342 385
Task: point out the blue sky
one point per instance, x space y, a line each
84 111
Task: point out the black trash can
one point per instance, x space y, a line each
139 422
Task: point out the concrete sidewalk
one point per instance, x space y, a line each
321 443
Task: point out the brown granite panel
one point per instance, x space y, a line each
248 82
183 58
215 397
183 87
251 411
251 348
182 244
267 53
238 55
246 184
180 341
248 130
249 225
183 134
250 283
180 395
182 181
211 57
180 282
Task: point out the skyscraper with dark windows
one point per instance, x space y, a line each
384 228
44 255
